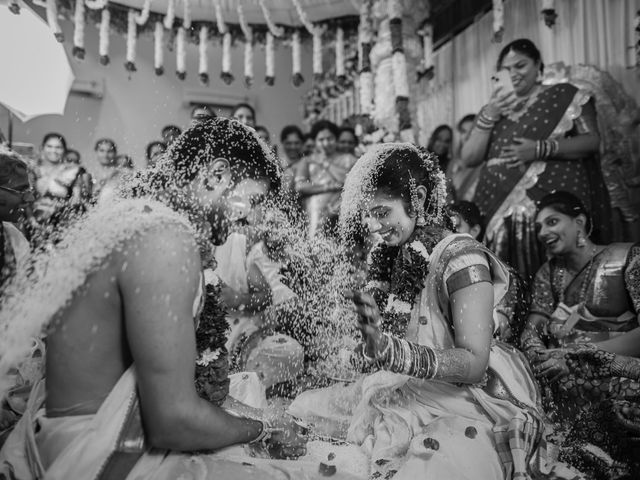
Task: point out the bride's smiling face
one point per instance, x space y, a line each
387 216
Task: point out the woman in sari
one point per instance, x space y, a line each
62 189
533 140
586 296
321 178
444 400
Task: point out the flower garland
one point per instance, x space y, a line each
225 75
52 20
248 46
105 23
549 13
158 51
212 364
274 31
364 61
78 51
203 64
142 18
171 15
399 65
340 53
404 269
498 20
132 31
96 4
426 69
181 53
297 77
269 68
186 16
316 33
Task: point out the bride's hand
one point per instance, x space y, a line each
368 321
289 441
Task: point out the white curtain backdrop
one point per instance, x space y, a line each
596 32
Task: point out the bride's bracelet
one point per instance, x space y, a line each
410 359
546 149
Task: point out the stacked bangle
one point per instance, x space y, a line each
408 358
546 149
265 434
484 121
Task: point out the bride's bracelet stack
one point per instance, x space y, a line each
546 149
401 356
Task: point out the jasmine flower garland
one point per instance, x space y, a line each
405 270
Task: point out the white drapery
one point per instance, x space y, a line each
597 32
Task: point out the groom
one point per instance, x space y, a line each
121 353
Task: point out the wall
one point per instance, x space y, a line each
136 106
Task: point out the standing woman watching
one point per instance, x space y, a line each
61 188
532 140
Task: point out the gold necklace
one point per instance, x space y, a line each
585 283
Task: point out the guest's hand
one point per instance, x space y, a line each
520 153
551 364
290 440
589 362
500 103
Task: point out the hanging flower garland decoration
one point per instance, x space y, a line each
365 42
143 16
158 50
181 69
225 75
105 27
399 62
95 4
52 20
78 51
132 32
273 31
340 54
248 46
498 20
203 61
170 17
297 77
549 13
426 68
316 33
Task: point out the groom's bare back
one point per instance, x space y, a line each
137 306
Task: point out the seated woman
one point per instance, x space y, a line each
444 400
585 293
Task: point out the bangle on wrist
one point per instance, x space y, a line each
265 434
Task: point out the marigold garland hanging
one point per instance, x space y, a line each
549 13
186 17
399 65
52 20
132 31
142 18
158 48
498 20
637 46
96 4
78 51
103 48
275 31
297 77
364 61
340 54
203 62
225 74
171 15
248 47
270 78
316 33
426 68
181 70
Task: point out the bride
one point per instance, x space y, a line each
444 399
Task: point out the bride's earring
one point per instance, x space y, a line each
416 206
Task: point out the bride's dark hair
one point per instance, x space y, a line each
400 168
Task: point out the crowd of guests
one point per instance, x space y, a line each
523 180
